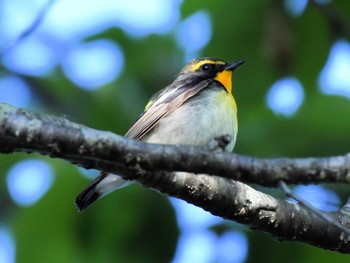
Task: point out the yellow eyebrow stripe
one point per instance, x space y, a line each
148 105
197 65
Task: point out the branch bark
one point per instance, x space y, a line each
218 193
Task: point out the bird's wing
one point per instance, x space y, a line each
165 103
162 103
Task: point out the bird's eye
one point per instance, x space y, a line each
206 67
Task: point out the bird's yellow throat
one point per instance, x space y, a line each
225 78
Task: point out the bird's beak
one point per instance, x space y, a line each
231 66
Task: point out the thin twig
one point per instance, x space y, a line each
30 29
307 205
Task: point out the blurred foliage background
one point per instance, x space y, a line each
98 63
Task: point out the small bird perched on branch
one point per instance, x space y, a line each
196 108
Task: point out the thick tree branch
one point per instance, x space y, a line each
58 137
151 165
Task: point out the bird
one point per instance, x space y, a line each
195 108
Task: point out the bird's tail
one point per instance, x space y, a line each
101 186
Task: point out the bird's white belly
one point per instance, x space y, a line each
198 121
